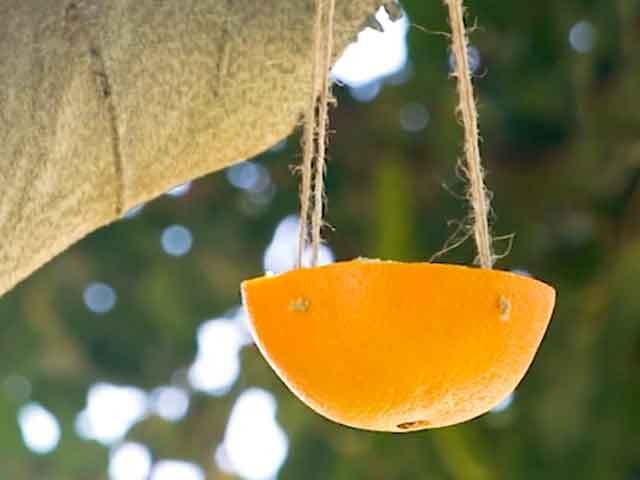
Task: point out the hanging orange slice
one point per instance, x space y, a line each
399 346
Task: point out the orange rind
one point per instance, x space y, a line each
397 347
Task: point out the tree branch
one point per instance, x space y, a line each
192 86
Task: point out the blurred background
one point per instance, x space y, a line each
127 358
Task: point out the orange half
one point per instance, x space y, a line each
394 346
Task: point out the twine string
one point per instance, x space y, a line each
477 192
312 195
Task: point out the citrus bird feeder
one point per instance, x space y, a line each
389 346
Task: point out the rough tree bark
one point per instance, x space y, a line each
105 104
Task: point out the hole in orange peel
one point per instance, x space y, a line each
415 425
505 307
299 305
387 342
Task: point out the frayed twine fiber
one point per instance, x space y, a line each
478 195
308 139
315 133
316 126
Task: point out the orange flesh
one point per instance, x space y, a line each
399 346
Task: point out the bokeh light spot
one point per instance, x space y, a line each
129 461
280 255
254 446
176 470
176 240
217 363
504 404
40 429
366 93
582 37
249 176
99 297
180 190
110 412
279 147
133 212
475 60
375 55
170 403
414 117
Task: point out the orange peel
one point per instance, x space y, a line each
397 347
